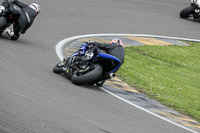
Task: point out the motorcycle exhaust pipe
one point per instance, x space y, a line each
112 75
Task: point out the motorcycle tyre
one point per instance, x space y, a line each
3 23
88 77
57 69
185 13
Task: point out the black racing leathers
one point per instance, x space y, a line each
27 16
112 49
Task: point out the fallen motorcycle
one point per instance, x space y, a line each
191 11
88 65
9 14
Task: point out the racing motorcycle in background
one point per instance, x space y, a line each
9 14
191 11
88 65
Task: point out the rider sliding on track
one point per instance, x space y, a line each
27 15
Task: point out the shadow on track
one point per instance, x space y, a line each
192 20
17 42
86 86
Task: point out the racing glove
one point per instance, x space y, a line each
23 31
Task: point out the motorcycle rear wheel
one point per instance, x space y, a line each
186 12
2 23
88 77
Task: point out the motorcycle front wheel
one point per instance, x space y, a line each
186 12
88 77
58 68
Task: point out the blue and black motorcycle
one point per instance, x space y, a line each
88 65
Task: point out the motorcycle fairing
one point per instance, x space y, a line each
112 59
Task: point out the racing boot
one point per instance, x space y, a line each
9 32
100 83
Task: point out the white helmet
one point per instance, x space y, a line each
2 9
36 7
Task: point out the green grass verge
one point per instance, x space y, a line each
169 74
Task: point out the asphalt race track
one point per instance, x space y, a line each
35 100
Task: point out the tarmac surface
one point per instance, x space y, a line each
35 100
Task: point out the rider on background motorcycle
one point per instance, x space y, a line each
27 15
191 11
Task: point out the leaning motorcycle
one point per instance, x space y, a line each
9 14
191 11
88 65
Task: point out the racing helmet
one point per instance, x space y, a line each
117 41
35 7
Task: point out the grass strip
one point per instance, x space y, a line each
168 74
